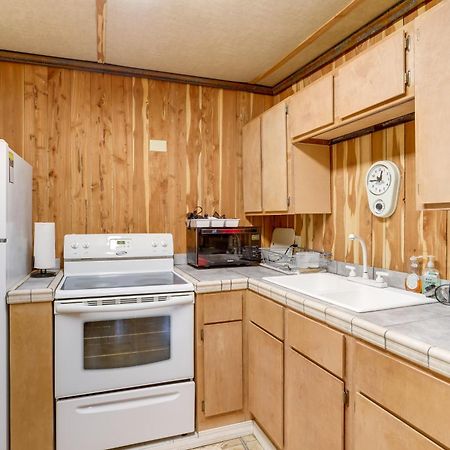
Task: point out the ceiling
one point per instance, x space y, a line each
249 41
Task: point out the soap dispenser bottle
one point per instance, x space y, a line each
413 281
431 278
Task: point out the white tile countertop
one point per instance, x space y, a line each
31 290
420 334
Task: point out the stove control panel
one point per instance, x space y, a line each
116 246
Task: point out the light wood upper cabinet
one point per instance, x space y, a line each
432 74
251 155
274 159
279 177
265 382
373 77
314 414
311 108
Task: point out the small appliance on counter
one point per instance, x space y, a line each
223 247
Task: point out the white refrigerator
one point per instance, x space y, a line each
15 254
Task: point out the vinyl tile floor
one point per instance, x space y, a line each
244 443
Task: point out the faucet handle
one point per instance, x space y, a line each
352 271
381 276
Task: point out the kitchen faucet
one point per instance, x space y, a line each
355 237
364 279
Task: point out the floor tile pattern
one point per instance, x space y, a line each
245 443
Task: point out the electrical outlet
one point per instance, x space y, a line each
156 145
298 241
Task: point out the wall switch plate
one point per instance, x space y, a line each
156 145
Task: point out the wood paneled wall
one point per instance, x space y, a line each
87 137
390 241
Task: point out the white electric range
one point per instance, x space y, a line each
124 355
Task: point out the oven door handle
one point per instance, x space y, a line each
82 307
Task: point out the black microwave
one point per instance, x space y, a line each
222 247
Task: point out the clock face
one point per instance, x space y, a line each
379 179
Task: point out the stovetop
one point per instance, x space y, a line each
123 280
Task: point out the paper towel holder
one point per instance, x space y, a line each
44 250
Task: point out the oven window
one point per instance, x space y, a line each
110 344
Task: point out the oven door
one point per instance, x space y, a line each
116 343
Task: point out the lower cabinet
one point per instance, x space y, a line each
222 363
314 406
265 378
219 361
377 429
398 403
31 376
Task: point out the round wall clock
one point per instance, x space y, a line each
383 184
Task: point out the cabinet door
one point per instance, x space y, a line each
410 393
314 414
371 78
312 107
222 358
265 382
376 429
274 159
432 67
251 154
31 376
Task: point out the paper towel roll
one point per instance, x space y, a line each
44 245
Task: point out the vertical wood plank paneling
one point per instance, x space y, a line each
379 152
59 89
101 161
210 105
12 105
231 156
194 148
159 126
141 185
80 149
36 137
177 166
338 199
395 225
122 148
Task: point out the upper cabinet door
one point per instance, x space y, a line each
274 159
251 154
312 107
371 78
432 74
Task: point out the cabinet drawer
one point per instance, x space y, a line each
266 314
318 342
371 78
412 394
391 433
222 307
